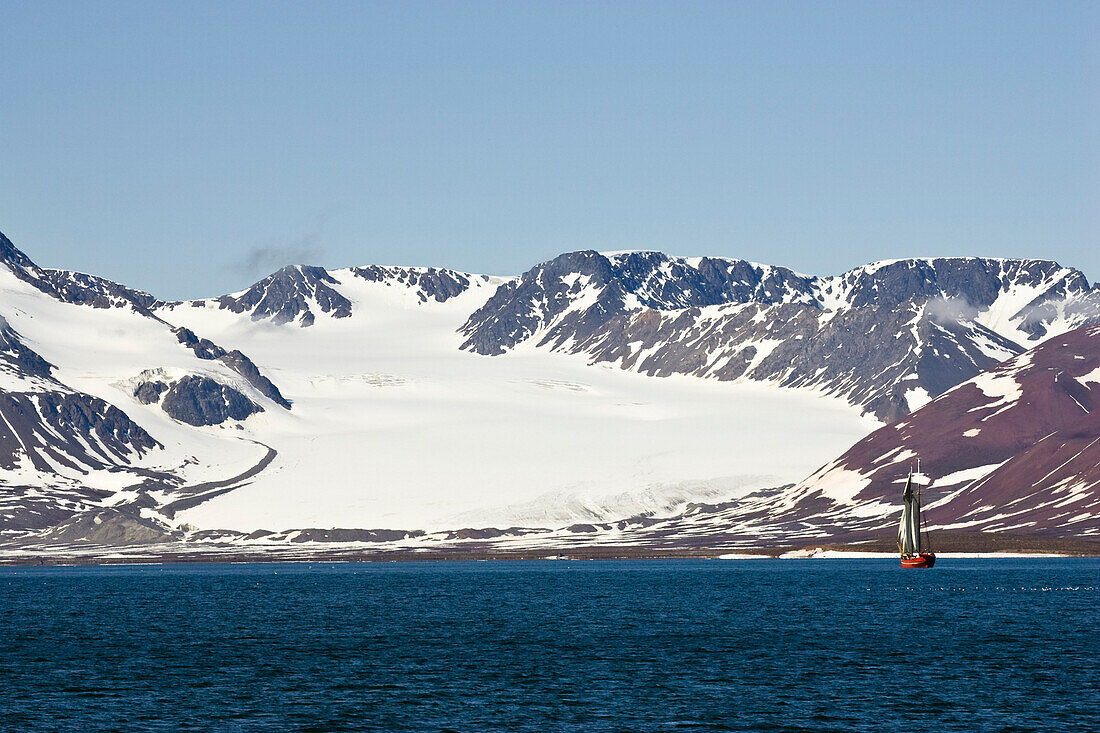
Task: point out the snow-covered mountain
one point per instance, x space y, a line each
80 358
425 399
395 426
297 293
887 336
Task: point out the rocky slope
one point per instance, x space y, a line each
1015 449
887 336
51 436
69 440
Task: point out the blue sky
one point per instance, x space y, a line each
188 148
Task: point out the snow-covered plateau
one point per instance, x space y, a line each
394 426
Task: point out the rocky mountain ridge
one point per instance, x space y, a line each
887 336
296 294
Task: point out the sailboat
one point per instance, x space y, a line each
909 539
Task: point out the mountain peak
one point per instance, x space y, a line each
287 295
11 254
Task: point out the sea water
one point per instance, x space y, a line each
814 645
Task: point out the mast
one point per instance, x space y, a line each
916 523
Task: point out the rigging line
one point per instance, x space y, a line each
924 526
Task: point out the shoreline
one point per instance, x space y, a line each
162 561
135 556
957 546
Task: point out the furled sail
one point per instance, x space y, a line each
909 532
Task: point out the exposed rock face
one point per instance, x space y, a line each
74 287
608 287
74 430
201 401
298 536
887 336
17 358
489 533
287 295
977 281
149 392
346 535
203 348
874 358
668 283
428 282
242 365
296 294
82 289
26 508
12 255
235 360
1015 449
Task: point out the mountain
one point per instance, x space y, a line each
98 395
888 336
297 293
72 287
1014 451
404 429
1016 448
406 403
276 407
1009 460
48 429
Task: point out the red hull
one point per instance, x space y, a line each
923 560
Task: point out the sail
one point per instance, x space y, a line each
909 531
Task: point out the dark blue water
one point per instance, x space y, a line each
986 645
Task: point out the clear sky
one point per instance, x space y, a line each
189 148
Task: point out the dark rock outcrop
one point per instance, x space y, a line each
235 360
71 429
297 292
242 365
202 348
149 392
287 295
17 358
488 533
74 287
430 282
12 255
346 535
299 536
82 289
201 401
30 508
976 281
646 280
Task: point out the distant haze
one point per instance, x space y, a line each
188 149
